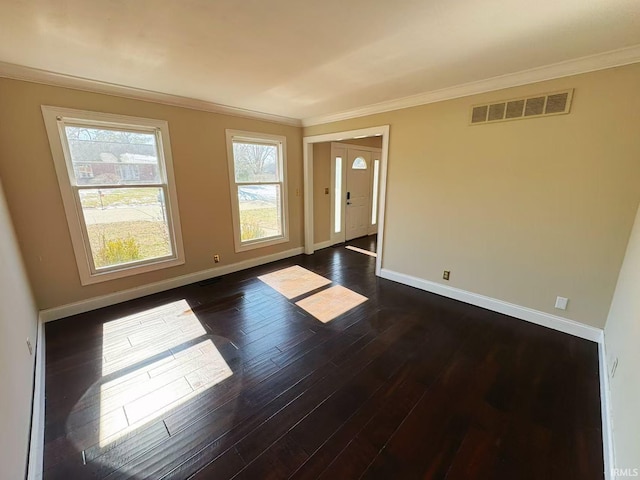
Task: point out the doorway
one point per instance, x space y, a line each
354 183
358 198
357 190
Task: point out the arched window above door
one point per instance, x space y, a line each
359 164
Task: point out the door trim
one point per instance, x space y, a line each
307 158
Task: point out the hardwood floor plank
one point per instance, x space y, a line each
239 382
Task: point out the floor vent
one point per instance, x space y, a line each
556 103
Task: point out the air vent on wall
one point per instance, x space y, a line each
556 103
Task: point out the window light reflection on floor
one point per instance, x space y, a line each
326 305
331 303
152 363
294 281
361 250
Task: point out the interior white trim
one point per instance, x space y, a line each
523 313
280 141
55 119
307 165
540 318
605 408
94 303
591 63
35 75
36 440
600 61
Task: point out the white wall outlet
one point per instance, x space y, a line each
561 303
29 347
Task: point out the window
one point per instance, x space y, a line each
128 172
359 164
257 169
83 171
376 180
116 179
337 227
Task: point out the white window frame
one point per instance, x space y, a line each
55 119
281 143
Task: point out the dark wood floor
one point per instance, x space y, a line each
406 385
367 243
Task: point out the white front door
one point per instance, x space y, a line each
358 198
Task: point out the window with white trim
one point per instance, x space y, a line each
359 164
116 178
376 181
257 176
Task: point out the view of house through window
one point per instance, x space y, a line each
257 170
116 178
123 224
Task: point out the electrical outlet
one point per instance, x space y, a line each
29 346
216 259
326 190
614 367
446 274
561 303
297 192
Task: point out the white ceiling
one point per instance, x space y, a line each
306 58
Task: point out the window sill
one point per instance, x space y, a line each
129 271
243 247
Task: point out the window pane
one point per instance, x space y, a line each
112 157
254 162
374 206
125 225
260 211
359 164
337 227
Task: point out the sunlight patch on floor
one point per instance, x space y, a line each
361 250
139 337
294 281
331 303
151 367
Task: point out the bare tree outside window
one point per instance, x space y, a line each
255 162
256 168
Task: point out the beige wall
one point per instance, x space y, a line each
200 164
322 201
622 340
521 211
374 142
18 321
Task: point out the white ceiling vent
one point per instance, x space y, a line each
556 103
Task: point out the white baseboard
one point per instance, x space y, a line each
540 318
321 245
605 406
36 440
523 313
94 303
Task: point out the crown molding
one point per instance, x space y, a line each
591 63
600 61
28 74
